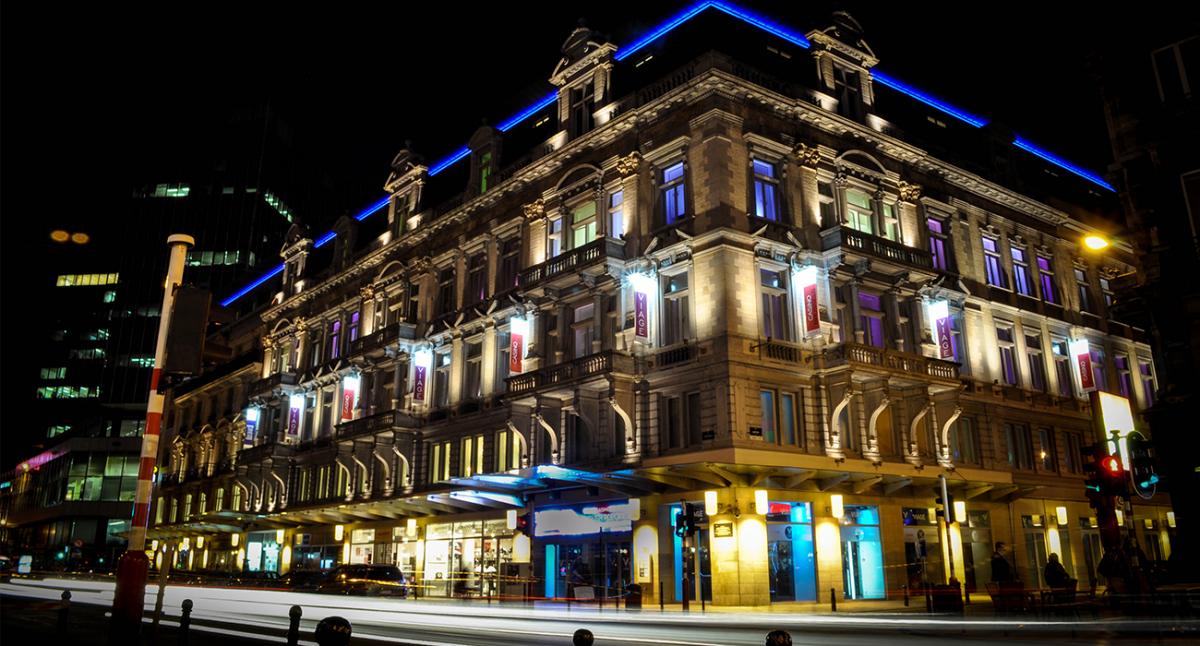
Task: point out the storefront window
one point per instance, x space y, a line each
862 553
922 548
587 548
977 548
465 559
791 552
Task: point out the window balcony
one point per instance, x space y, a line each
392 420
899 364
876 247
263 452
269 384
572 261
569 374
378 340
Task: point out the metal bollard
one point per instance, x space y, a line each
833 599
185 622
64 610
293 635
905 588
333 631
661 601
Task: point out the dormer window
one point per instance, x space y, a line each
583 107
485 171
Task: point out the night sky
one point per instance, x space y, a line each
97 95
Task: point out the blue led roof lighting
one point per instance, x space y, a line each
751 18
367 212
678 19
528 112
449 161
324 239
762 23
913 92
1025 145
249 288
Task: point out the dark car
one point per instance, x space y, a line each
303 580
370 580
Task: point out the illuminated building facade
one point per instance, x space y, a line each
706 269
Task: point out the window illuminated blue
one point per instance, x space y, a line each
672 192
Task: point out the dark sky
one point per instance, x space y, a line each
96 93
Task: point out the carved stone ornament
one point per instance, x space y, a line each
534 209
909 192
629 164
807 155
301 325
367 292
268 342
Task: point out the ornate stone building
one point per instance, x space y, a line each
737 275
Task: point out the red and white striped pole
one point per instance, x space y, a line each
129 597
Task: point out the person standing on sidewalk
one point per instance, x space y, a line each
1001 569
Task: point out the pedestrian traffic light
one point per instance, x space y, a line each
945 508
686 521
1105 477
1143 473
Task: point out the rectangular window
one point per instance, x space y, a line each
1021 278
354 326
583 108
583 329
676 315
870 321
890 223
414 303
766 191
1107 292
471 456
964 441
335 339
1037 362
510 264
476 279
1124 375
1084 290
616 214
992 266
473 388
680 417
1098 373
1008 355
1062 366
859 214
1072 454
507 451
1020 446
504 350
439 462
779 417
485 171
1146 372
828 205
672 193
776 313
1047 460
939 242
554 235
441 379
583 224
446 299
1046 278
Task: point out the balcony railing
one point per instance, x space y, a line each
572 261
894 361
672 356
780 351
262 452
563 373
270 383
375 340
380 422
881 248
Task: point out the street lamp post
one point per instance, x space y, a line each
130 596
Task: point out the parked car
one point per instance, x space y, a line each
370 580
303 580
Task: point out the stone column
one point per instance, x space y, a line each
805 189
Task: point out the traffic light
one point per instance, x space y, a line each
686 522
1105 474
523 522
1143 473
945 508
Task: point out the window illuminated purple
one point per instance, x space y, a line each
672 192
1008 355
1147 375
938 243
871 319
1021 273
765 191
1046 276
991 263
1124 376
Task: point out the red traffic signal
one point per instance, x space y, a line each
1111 465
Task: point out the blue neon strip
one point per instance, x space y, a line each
373 208
679 19
1028 147
449 161
248 288
528 112
763 23
324 239
913 92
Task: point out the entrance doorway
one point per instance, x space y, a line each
791 552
